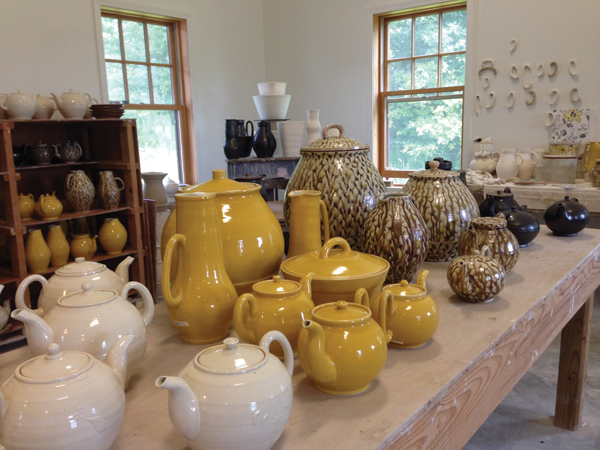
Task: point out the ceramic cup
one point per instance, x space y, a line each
291 136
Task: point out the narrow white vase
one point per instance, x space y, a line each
313 126
153 188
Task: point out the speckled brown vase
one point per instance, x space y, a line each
447 207
493 233
396 232
341 169
476 278
595 174
79 191
108 190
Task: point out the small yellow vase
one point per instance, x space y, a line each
48 207
26 206
83 246
112 236
306 211
58 245
37 253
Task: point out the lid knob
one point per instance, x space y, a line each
404 283
434 164
277 278
53 351
218 174
341 305
79 259
87 287
231 343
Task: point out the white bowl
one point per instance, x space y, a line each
271 88
272 107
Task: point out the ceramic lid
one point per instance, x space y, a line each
404 289
434 172
231 358
80 267
505 193
276 287
560 156
87 297
328 263
334 143
54 366
488 223
341 313
220 183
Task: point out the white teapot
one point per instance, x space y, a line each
66 400
234 396
483 162
44 107
4 312
91 321
73 105
19 105
69 278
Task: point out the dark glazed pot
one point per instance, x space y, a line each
501 201
444 164
566 217
20 153
232 146
264 141
523 225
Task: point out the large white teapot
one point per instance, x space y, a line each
233 396
19 105
72 105
69 278
91 320
65 400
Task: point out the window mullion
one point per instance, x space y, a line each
149 63
412 53
439 79
124 66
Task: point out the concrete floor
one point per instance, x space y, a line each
523 421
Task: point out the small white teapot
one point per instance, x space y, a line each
44 107
66 400
72 105
483 162
19 105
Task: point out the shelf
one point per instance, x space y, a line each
6 278
58 165
73 215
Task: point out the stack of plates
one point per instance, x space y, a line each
109 111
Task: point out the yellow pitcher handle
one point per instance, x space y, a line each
361 297
325 215
166 270
387 307
586 155
238 317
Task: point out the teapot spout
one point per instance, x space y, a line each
122 269
422 278
306 284
57 100
184 410
316 363
117 357
39 334
93 246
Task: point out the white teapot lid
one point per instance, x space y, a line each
54 366
231 358
80 267
87 297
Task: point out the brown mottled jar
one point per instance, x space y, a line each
447 207
595 174
350 184
491 232
396 231
476 278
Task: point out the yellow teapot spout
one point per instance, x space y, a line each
317 364
306 284
422 278
93 246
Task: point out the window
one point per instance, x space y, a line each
145 70
420 99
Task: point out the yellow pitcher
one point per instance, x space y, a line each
306 210
591 152
200 299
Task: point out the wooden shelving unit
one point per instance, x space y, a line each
107 145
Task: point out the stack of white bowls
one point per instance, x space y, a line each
272 103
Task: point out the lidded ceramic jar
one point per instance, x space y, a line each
447 206
233 396
523 225
48 207
19 105
566 217
350 184
595 174
339 273
44 107
491 232
65 400
26 206
476 278
72 105
498 202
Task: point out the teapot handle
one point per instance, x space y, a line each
387 307
361 297
20 295
79 149
122 183
3 95
56 147
171 301
325 218
32 198
146 296
333 242
278 336
91 100
485 251
238 317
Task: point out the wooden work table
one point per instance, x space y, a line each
434 397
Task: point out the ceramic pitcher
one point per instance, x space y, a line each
109 191
306 210
37 253
58 245
79 191
200 299
507 167
526 162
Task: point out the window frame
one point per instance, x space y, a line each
382 61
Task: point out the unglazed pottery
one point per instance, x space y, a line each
275 304
251 237
491 232
37 253
350 184
65 400
476 278
41 154
313 126
566 217
595 174
498 202
272 107
70 278
26 206
83 246
339 273
48 207
412 317
112 236
483 162
526 160
396 231
79 191
591 153
446 205
271 88
68 152
560 168
73 105
306 211
507 168
44 108
154 188
19 105
92 320
342 348
109 191
523 225
233 396
200 299
58 245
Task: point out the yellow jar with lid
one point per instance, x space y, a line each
26 206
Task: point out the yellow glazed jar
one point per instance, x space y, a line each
37 253
276 304
83 246
112 236
48 207
251 235
415 315
58 245
342 349
26 206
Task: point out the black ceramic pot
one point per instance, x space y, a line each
264 142
232 147
444 164
566 217
523 225
498 202
20 153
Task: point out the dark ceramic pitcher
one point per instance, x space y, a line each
264 141
232 146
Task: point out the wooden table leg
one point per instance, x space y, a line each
572 368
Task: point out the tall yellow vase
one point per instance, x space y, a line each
37 253
58 245
201 298
306 210
112 236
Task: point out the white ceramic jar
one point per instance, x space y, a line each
560 168
507 168
233 396
526 160
19 105
483 162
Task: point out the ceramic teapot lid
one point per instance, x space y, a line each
276 287
87 297
80 267
220 183
54 366
341 313
329 263
488 223
334 143
231 358
434 173
404 289
506 193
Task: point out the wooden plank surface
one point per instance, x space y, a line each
433 397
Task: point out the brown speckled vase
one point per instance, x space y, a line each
447 207
595 174
396 232
476 278
493 233
108 190
350 184
79 191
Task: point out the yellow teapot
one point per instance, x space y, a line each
415 315
276 304
26 206
48 206
83 246
342 349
